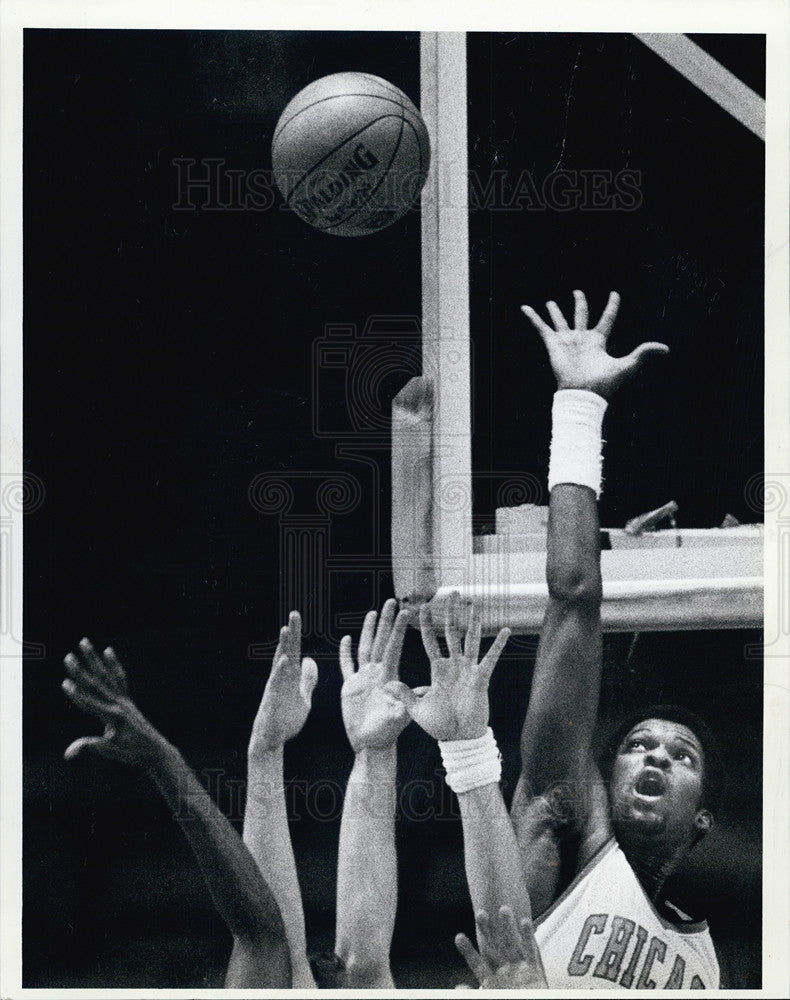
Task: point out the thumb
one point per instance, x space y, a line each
96 744
403 693
633 362
308 679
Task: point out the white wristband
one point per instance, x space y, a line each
576 421
471 763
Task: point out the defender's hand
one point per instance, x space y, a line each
288 693
97 684
373 717
512 957
455 706
578 355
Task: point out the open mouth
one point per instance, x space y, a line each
651 784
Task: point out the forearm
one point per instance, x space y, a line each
563 703
236 885
267 836
367 869
491 855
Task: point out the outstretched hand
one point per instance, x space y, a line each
512 956
455 706
578 354
373 717
288 693
97 685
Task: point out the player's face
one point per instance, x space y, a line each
657 781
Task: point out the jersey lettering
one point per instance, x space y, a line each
675 981
697 983
613 954
628 975
594 924
657 949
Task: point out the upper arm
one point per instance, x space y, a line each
558 729
558 832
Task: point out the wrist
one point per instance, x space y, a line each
576 442
471 763
376 757
265 753
564 385
163 759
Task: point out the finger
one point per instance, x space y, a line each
282 644
489 661
556 316
473 633
403 693
366 638
509 940
93 661
472 957
530 946
115 668
581 312
294 645
86 679
428 637
386 618
96 744
88 703
543 328
281 676
528 942
346 659
308 679
609 315
632 362
483 926
451 631
395 642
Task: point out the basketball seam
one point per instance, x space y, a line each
382 82
375 189
340 145
281 128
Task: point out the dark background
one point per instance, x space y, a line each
170 364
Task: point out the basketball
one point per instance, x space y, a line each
350 154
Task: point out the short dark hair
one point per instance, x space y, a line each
329 970
713 764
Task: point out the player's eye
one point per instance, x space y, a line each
683 755
636 744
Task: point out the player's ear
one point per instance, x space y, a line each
703 822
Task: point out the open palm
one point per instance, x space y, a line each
288 693
373 717
455 705
97 684
509 957
578 354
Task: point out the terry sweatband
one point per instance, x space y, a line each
576 421
471 763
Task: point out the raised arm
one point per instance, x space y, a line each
281 715
454 710
97 685
558 789
367 883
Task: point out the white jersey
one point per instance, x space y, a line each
603 931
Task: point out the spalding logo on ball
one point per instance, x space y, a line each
350 154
